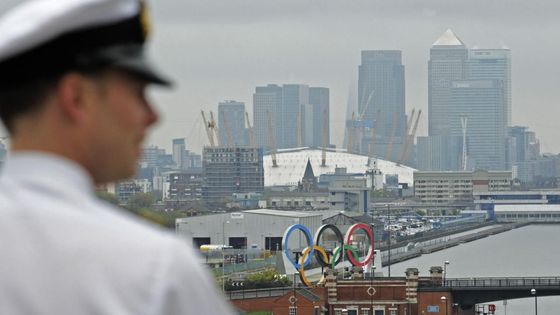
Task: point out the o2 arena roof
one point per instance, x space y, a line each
292 163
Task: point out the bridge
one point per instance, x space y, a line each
467 292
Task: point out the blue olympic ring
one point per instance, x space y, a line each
309 239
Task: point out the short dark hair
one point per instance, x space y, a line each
24 98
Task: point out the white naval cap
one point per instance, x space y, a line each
50 37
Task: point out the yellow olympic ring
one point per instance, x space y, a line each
303 257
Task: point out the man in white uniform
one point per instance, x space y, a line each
72 84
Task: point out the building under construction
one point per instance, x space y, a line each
229 170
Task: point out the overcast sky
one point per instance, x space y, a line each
221 50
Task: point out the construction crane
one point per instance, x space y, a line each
392 138
372 140
350 148
325 139
250 131
208 126
272 141
214 127
410 140
406 137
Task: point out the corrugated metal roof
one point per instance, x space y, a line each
282 213
292 163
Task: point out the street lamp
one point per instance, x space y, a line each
389 223
445 270
534 292
444 299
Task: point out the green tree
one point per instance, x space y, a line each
265 279
141 201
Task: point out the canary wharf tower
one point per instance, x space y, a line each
469 103
447 62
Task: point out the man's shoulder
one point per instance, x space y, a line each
128 226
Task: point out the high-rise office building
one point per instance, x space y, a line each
267 102
231 124
178 151
447 61
296 114
481 103
319 99
469 98
381 89
492 64
294 96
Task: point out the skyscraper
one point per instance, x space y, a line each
447 61
231 123
492 64
381 89
267 102
296 114
473 86
178 151
481 103
293 97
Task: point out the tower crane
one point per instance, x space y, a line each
250 131
410 140
406 137
214 127
208 126
389 150
372 140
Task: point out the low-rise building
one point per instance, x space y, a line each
450 187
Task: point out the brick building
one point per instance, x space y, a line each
356 296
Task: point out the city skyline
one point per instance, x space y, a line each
216 51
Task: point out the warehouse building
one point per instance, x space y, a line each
261 228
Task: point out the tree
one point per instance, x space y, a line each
141 201
265 279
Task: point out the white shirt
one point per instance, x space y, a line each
64 251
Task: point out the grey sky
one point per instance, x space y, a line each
218 50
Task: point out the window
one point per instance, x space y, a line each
293 310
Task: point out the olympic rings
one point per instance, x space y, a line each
324 257
305 253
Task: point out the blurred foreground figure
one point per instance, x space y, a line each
72 96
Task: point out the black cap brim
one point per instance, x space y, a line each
131 58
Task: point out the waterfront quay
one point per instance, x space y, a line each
402 253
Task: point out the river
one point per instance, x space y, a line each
524 252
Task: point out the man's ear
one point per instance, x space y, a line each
74 93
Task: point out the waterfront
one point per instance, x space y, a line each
527 251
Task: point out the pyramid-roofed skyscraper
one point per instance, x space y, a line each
446 64
473 86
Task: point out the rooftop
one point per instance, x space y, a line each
282 213
448 39
292 164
